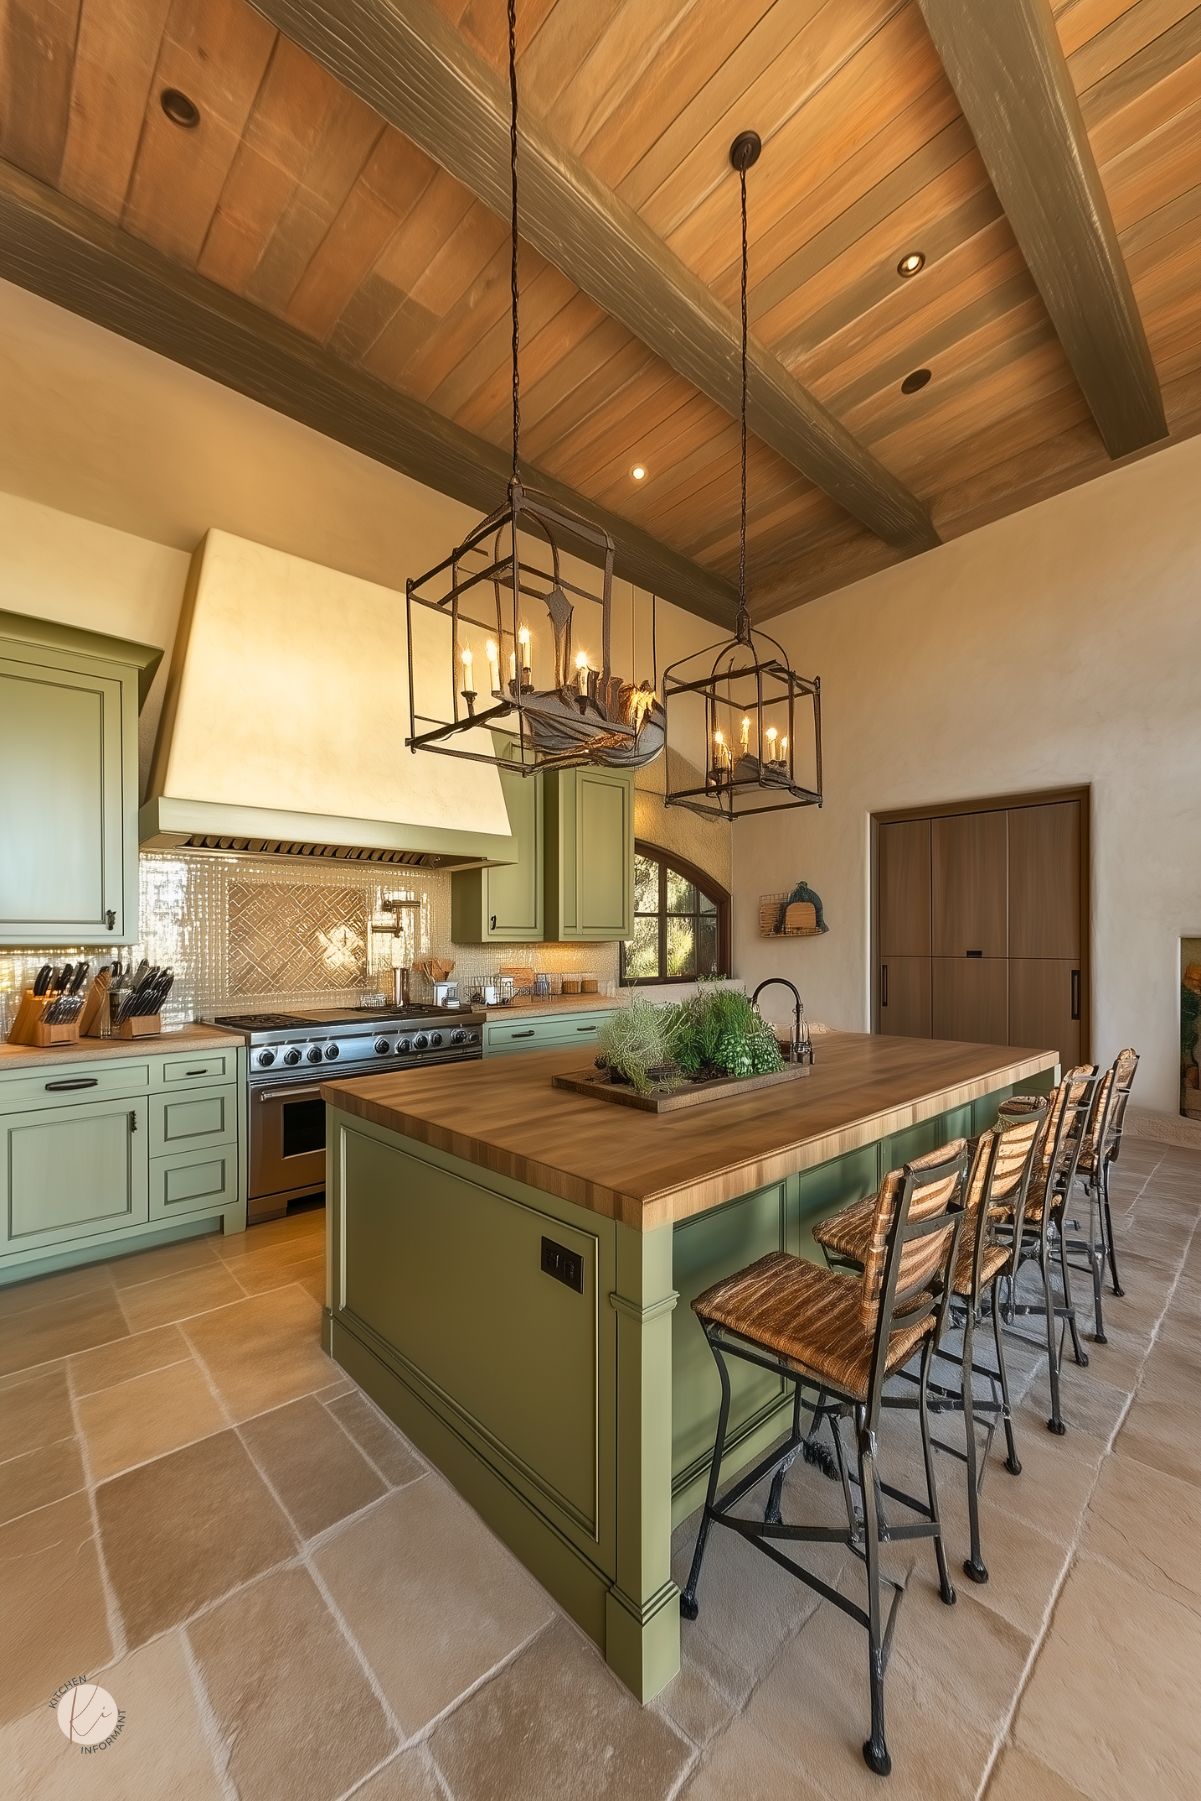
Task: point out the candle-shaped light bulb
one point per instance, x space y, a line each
719 749
493 666
468 659
745 743
523 638
771 735
783 750
581 671
512 665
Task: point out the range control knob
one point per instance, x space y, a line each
458 1036
265 1059
331 1053
291 1056
435 1040
381 1047
421 1042
403 1045
314 1053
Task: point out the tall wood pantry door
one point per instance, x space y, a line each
980 924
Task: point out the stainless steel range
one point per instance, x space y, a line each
292 1053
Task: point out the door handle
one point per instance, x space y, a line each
69 1087
1075 994
492 922
973 953
884 984
286 1094
110 918
133 1120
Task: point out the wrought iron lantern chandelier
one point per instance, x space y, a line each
501 641
737 713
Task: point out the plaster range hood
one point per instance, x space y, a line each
283 727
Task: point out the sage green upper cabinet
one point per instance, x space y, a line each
69 705
503 904
589 854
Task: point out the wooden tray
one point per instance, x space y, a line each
596 1085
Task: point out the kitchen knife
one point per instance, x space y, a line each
80 976
65 977
42 979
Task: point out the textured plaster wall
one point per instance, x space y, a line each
1060 646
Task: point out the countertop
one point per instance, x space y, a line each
175 1038
646 1169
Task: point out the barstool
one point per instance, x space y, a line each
996 1191
843 1335
1042 1229
1102 1150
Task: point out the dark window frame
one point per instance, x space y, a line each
706 885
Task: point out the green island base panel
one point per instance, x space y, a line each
578 1420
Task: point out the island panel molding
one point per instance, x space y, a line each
660 1168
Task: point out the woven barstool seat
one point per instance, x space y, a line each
809 1316
846 1236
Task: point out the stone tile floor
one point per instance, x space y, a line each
200 1511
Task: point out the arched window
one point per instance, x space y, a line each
681 921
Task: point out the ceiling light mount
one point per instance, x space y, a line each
745 151
911 264
180 108
638 472
915 381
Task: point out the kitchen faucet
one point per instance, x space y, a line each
800 1049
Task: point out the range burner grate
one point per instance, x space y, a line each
262 1022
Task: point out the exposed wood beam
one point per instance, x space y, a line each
57 249
405 59
1007 67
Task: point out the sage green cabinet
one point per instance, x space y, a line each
503 904
69 1172
543 1031
573 878
589 855
68 783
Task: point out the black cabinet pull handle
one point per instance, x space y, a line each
884 984
492 923
77 1082
195 1072
528 1034
1075 994
973 953
133 1120
110 919
585 1028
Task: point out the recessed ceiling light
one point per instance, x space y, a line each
916 379
911 264
638 472
180 108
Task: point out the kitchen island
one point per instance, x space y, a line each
511 1266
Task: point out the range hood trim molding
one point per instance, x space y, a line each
168 823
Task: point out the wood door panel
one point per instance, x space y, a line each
1044 880
969 889
970 999
1041 995
903 991
903 866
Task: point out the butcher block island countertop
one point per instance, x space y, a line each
646 1169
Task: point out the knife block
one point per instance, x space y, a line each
30 1029
143 1025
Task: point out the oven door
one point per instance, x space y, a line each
287 1145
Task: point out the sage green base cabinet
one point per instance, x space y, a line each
110 1155
578 1420
573 877
69 704
541 1031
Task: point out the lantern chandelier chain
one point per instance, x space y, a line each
514 284
743 624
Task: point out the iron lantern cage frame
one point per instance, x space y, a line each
750 705
586 715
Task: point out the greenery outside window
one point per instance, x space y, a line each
681 922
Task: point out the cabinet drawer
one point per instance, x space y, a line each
194 1181
192 1120
69 1173
60 1085
207 1066
540 1034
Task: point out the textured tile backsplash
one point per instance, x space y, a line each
247 933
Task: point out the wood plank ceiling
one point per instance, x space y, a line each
296 197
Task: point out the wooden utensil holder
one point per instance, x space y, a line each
31 1029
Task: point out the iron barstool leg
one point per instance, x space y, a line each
1078 1350
875 1748
1012 1463
1055 1423
1096 1257
1113 1255
973 1565
688 1601
771 1513
923 1412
